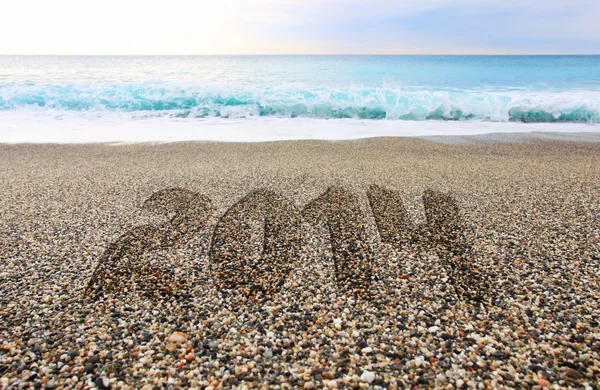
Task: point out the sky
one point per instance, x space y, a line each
182 27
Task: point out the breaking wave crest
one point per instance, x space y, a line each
156 99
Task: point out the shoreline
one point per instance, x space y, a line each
449 139
102 130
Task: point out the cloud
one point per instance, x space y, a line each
443 26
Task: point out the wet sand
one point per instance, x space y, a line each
529 214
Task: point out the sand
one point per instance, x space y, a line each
529 214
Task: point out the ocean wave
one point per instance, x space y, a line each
292 101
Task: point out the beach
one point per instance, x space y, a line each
516 306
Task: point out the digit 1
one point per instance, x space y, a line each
391 218
352 253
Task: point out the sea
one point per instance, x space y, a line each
268 98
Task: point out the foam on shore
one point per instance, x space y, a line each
16 128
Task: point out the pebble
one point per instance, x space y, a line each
178 337
574 373
50 385
337 323
367 376
543 382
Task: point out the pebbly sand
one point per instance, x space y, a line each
518 308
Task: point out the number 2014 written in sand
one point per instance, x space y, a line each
236 269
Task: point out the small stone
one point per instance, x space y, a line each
367 376
459 383
178 337
543 382
50 385
233 381
171 347
102 383
309 385
268 353
574 373
367 350
441 377
535 368
331 384
434 329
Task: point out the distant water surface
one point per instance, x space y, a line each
499 89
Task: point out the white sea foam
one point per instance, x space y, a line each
202 100
22 128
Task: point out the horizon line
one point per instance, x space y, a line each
307 54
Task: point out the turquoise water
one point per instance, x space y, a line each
529 89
